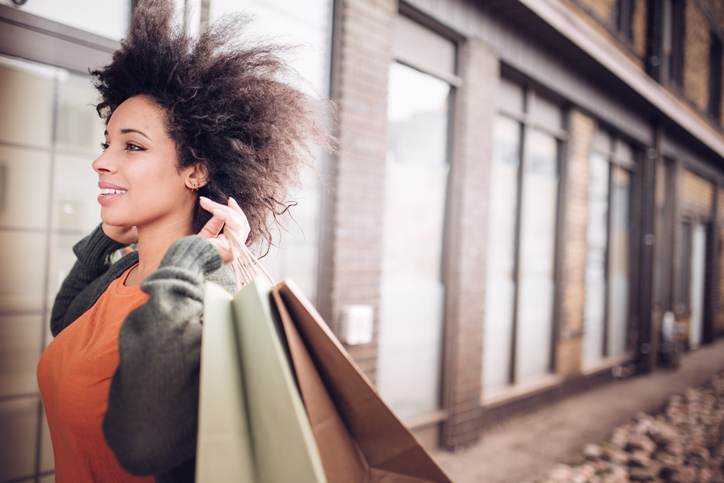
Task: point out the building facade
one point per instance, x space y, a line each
527 199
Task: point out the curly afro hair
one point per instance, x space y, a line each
226 107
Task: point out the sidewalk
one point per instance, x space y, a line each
529 446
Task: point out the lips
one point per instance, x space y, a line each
110 192
105 184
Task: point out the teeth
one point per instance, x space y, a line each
110 191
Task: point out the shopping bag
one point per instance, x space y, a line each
359 438
252 423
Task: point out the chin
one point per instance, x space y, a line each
107 216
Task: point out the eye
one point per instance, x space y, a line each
129 146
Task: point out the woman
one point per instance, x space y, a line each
192 126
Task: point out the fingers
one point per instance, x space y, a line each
232 215
213 227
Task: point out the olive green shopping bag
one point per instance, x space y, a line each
253 427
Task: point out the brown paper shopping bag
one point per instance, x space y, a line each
359 438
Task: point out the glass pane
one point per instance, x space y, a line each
698 274
108 18
510 96
24 182
47 460
546 113
537 249
618 303
26 97
306 25
684 260
23 270
20 346
18 420
79 128
500 285
602 143
412 292
301 265
62 259
76 186
597 239
623 151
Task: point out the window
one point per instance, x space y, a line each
624 18
666 27
683 273
108 19
691 277
715 74
295 253
697 284
518 332
607 278
412 291
48 135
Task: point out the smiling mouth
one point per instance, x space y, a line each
111 192
108 195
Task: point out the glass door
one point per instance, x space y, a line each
49 135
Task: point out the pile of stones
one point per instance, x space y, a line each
684 443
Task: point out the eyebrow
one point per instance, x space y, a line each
127 130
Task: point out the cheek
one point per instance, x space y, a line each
158 186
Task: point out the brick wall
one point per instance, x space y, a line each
601 16
471 159
639 27
604 10
696 56
569 350
695 194
351 265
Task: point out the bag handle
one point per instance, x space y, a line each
244 262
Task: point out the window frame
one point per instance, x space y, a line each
631 168
625 10
454 81
666 19
526 122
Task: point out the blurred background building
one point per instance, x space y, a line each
527 192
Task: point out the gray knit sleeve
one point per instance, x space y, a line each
92 253
151 421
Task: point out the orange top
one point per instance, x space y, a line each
74 376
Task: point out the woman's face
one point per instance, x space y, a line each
140 158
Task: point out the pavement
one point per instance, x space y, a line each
529 446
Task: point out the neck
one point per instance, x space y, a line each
154 239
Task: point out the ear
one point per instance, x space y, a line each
196 175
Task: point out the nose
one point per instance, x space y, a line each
104 163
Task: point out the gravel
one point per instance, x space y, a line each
683 443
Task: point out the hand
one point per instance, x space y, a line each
122 234
230 218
